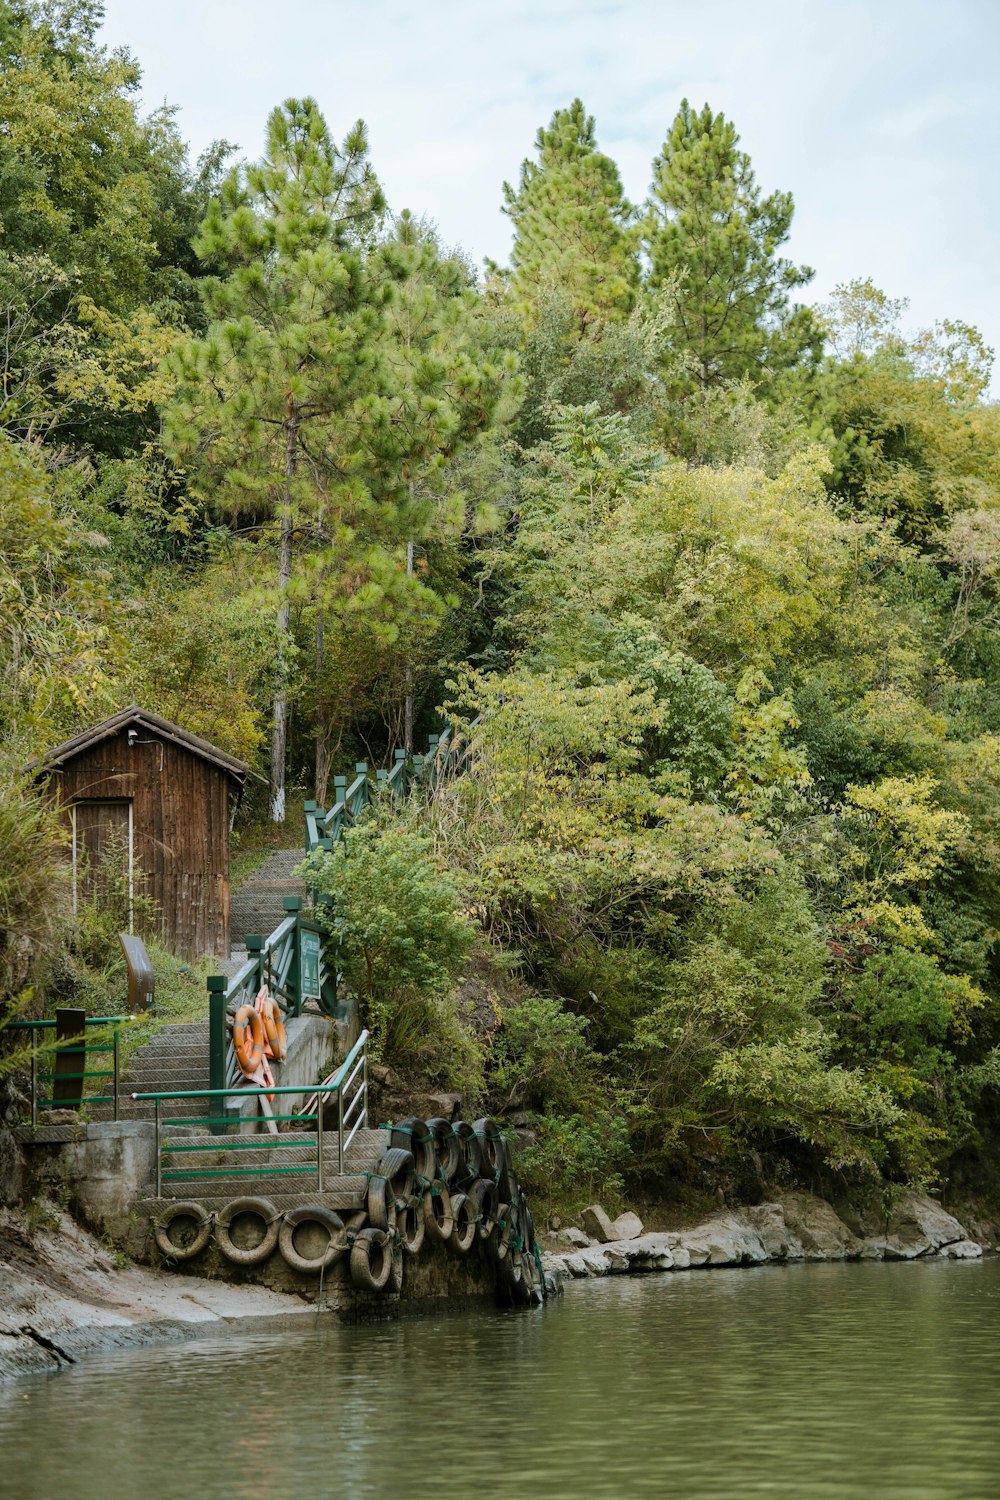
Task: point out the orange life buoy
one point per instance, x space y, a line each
249 1049
274 1028
276 1045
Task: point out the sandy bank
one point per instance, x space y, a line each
63 1297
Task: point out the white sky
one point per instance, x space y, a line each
879 115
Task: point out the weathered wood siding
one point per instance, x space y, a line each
180 822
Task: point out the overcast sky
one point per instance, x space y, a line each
879 115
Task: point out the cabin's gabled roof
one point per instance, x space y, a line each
141 719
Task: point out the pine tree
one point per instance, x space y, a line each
282 409
713 244
572 223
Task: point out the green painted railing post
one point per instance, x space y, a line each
216 1037
293 906
255 949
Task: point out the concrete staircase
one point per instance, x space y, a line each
175 1058
257 1171
257 904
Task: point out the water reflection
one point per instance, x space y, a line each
811 1383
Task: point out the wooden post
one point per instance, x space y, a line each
70 1025
217 1044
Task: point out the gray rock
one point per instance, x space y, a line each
768 1221
917 1224
627 1227
448 1104
598 1225
961 1250
577 1266
597 1263
821 1233
725 1240
573 1236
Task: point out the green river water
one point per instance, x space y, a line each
818 1382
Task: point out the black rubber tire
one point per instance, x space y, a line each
464 1234
513 1270
395 1265
514 1222
500 1238
413 1136
397 1166
485 1201
527 1222
380 1201
448 1151
371 1259
311 1265
252 1255
439 1216
491 1145
507 1180
411 1226
472 1151
183 1249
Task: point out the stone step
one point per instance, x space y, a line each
242 1166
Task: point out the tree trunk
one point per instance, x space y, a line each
408 702
321 772
279 711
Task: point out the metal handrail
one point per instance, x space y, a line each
338 1083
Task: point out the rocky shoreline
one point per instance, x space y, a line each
799 1227
64 1296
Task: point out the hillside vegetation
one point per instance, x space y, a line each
717 900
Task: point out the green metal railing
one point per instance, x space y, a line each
292 963
76 1047
446 755
349 1084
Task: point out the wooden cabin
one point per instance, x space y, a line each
158 801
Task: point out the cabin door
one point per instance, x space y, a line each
103 862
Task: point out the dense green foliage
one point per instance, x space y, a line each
721 574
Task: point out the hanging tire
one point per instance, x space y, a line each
447 1149
491 1145
500 1238
471 1150
463 1235
413 1136
507 1180
527 1222
485 1201
514 1227
395 1265
192 1225
264 1217
512 1270
328 1239
397 1166
371 1259
380 1201
439 1214
411 1226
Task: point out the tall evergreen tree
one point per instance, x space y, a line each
572 223
713 244
283 408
